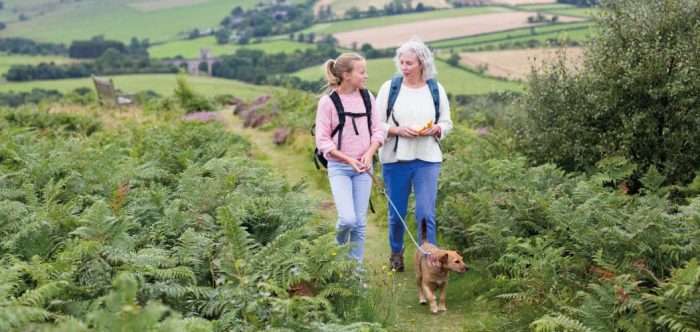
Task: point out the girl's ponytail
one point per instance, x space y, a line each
334 69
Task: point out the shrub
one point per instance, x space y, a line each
635 96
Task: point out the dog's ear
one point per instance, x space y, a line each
443 257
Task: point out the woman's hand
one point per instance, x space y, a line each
435 130
407 132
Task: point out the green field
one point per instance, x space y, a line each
6 61
51 21
579 12
163 84
545 7
560 9
349 25
455 81
190 48
574 31
339 7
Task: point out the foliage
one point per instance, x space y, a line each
255 66
577 247
269 20
157 225
94 48
189 99
635 96
26 46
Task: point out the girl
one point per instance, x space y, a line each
348 144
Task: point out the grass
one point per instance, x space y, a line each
339 7
190 48
115 19
349 25
574 31
6 61
455 80
163 84
392 298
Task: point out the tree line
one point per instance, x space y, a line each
112 62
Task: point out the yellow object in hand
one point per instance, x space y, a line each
425 127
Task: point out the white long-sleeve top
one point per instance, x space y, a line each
413 107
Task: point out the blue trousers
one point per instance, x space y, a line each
400 178
351 195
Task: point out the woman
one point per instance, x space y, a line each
411 157
349 152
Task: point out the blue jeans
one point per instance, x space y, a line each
399 178
351 195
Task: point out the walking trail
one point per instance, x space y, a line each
463 312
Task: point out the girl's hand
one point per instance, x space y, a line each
357 165
367 160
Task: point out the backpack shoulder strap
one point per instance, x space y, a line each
341 116
368 109
435 92
393 94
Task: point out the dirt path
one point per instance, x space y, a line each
463 314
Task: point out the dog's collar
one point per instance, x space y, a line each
433 262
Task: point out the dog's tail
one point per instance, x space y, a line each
423 232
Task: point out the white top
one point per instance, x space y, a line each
413 107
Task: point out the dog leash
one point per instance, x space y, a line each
382 189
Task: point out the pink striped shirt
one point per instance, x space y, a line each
353 145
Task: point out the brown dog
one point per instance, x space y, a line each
431 271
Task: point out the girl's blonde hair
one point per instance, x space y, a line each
425 57
334 70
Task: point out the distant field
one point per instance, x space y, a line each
456 81
339 7
190 48
545 7
439 29
6 61
520 2
349 25
580 12
163 84
50 20
517 64
574 31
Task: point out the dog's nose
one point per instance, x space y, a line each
466 268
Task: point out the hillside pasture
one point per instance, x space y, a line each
517 64
372 22
50 21
439 29
455 80
163 4
339 7
162 84
189 49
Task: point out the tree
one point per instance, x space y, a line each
222 36
636 95
310 37
2 5
2 25
453 60
353 13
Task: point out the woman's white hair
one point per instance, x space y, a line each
425 57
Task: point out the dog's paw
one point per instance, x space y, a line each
422 302
442 309
434 309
